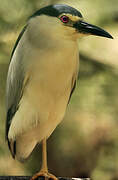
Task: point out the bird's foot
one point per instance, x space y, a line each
44 174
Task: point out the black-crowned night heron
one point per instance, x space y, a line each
42 76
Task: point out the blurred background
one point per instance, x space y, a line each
86 142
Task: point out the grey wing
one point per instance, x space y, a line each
15 79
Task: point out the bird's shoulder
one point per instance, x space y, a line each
17 41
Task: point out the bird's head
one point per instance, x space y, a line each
65 21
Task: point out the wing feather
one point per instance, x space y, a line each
15 79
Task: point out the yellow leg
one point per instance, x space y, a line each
44 169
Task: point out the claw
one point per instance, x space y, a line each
45 174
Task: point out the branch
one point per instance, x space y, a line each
41 178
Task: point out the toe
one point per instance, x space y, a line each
42 174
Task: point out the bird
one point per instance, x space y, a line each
41 78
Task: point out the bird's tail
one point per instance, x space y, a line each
25 143
22 147
12 147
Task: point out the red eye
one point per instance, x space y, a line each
64 19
